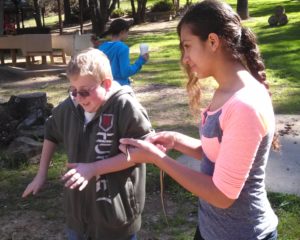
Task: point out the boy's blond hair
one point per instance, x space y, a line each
90 62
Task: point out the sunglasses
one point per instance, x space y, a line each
82 93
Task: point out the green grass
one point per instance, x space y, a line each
287 208
279 46
49 21
45 201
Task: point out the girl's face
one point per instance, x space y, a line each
196 53
87 92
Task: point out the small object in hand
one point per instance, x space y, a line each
127 153
143 48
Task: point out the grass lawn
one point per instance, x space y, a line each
279 46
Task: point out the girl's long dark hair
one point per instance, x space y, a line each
213 16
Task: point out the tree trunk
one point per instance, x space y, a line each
37 13
139 15
85 10
17 9
98 23
59 17
81 16
67 11
133 8
176 4
242 9
1 16
100 11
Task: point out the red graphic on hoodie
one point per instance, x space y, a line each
106 122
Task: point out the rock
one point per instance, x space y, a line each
279 11
273 21
20 150
7 127
279 18
35 132
23 105
283 19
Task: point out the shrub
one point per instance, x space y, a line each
162 6
128 13
119 12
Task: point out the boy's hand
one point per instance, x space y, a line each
34 186
78 175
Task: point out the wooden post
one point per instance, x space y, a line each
13 53
2 57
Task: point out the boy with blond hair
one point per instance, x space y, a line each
104 193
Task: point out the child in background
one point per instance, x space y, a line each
237 128
118 52
104 193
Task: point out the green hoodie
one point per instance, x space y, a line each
110 206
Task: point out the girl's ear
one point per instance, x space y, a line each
106 84
214 41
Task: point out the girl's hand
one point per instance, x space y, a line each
164 140
78 175
146 57
141 151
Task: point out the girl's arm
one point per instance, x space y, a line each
178 141
197 183
127 69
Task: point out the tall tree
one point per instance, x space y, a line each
37 13
138 13
17 10
242 9
67 11
100 11
1 16
59 17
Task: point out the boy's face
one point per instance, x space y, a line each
87 92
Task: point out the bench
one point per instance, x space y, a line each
54 53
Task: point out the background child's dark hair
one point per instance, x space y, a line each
116 27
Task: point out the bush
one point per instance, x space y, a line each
128 12
119 12
162 6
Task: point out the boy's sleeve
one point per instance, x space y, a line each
50 131
134 122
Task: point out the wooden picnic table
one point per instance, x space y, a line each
30 45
